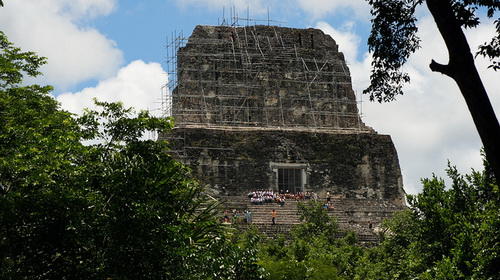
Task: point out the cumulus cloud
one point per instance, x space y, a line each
314 9
55 29
137 85
431 123
321 8
79 9
256 7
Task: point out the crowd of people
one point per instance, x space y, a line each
259 197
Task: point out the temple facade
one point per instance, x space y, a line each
267 107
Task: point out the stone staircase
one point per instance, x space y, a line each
364 216
360 215
286 215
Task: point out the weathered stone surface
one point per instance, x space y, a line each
263 76
363 165
265 107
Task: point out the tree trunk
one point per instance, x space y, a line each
462 69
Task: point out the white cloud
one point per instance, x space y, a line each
321 8
314 9
430 124
137 85
254 7
75 53
78 9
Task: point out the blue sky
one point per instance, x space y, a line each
115 50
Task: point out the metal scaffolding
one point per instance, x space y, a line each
257 76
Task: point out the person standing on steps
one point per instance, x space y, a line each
273 216
249 217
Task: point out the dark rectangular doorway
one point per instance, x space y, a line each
289 179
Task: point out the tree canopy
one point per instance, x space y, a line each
394 37
447 232
119 208
122 208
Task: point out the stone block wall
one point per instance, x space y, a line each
263 76
235 161
266 107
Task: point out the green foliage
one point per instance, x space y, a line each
115 125
285 269
392 40
119 207
315 222
123 208
14 63
447 231
37 139
491 50
276 248
147 215
314 252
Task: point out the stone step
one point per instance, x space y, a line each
350 214
272 231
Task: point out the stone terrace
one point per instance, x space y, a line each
351 214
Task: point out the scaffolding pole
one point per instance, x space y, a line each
236 84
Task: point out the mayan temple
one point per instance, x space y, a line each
272 108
